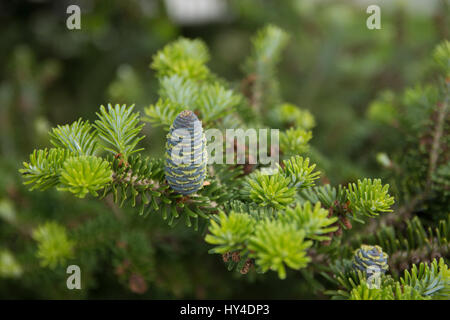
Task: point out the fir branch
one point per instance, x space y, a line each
299 172
429 280
44 169
437 135
179 90
369 197
183 57
267 47
118 128
163 113
230 233
269 190
85 174
216 102
313 220
54 246
275 245
422 282
77 137
294 141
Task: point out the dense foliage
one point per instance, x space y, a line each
321 219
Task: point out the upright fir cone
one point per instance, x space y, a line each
370 258
186 156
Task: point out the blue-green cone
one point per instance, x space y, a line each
370 258
186 157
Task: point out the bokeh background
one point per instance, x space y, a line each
333 66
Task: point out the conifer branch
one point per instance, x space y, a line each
286 220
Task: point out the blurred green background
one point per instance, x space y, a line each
333 66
